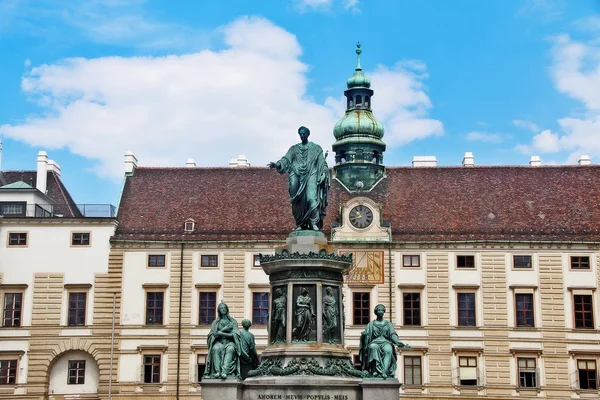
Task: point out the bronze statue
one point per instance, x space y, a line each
377 351
308 181
330 315
304 316
224 346
248 354
278 323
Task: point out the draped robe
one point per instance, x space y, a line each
308 183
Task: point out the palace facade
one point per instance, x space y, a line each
490 273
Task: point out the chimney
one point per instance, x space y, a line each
53 166
130 162
468 159
240 161
190 163
42 170
535 161
583 160
424 161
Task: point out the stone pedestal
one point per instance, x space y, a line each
221 389
380 389
306 358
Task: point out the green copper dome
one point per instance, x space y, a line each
358 146
358 123
358 78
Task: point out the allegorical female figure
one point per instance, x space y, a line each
377 346
278 324
304 316
308 181
330 315
224 346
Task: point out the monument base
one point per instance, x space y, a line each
222 389
380 389
301 388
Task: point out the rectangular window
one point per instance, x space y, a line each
524 310
154 308
17 239
256 260
412 370
210 260
156 260
208 307
527 372
465 261
584 314
412 308
13 209
260 308
77 302
467 371
152 369
201 367
411 261
522 261
13 303
8 372
466 309
361 306
76 374
80 239
578 262
587 373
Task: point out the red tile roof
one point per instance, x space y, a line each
63 202
548 203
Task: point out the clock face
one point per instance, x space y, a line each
361 216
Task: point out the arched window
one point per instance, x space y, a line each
367 101
358 100
350 105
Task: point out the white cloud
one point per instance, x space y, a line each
576 73
548 10
313 4
530 126
248 98
351 5
546 142
485 137
115 22
326 5
401 103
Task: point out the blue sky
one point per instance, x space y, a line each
88 80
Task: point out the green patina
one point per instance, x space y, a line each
322 255
309 181
306 366
358 147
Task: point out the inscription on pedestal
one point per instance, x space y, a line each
302 397
300 394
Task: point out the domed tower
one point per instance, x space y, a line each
358 147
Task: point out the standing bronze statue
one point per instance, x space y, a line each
248 354
278 324
330 315
377 346
308 182
304 316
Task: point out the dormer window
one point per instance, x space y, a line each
189 225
